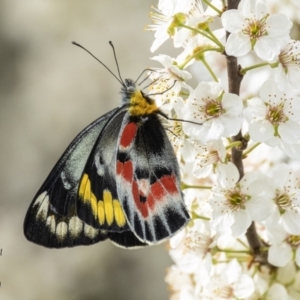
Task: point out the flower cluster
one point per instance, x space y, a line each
238 146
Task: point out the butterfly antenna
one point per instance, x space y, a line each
112 45
121 81
142 74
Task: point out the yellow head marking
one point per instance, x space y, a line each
119 213
108 207
140 106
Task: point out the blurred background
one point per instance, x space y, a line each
49 91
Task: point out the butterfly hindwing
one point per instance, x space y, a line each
52 219
126 239
148 181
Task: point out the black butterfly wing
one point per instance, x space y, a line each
52 219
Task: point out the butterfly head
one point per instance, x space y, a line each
127 90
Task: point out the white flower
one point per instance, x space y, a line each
180 283
193 46
281 252
191 247
274 116
294 288
181 144
195 18
286 196
164 19
219 113
197 202
228 282
261 280
277 292
236 204
170 70
169 80
286 275
207 156
252 28
288 70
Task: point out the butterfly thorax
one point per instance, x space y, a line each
139 104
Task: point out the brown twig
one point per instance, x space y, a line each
234 82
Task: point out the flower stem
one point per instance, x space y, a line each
213 7
234 251
196 55
187 186
245 70
234 144
213 75
204 33
243 244
245 153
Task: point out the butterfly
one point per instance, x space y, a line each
118 179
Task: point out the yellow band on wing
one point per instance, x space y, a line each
107 210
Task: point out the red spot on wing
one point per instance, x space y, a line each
128 134
166 184
119 167
141 206
169 182
151 201
127 171
158 190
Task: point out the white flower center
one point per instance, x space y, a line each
207 158
255 28
211 109
225 292
293 240
276 115
236 200
199 243
285 202
291 56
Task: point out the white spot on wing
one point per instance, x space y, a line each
144 186
75 226
61 230
40 198
90 231
65 181
99 166
51 224
43 201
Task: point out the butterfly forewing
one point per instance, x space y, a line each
148 181
52 219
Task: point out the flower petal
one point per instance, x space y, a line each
241 223
233 20
280 254
238 44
